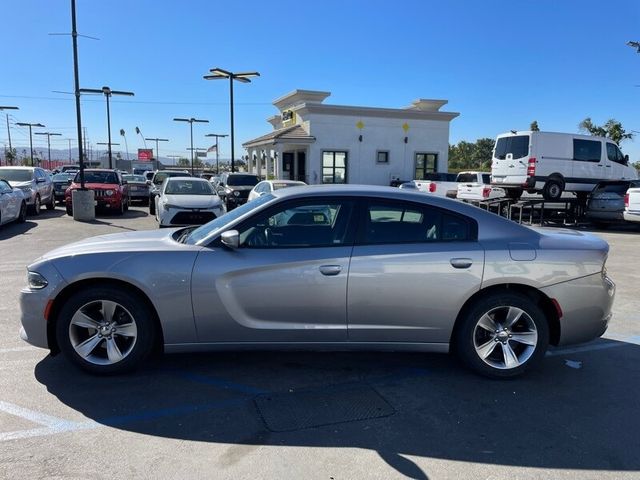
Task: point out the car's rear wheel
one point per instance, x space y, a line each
52 203
152 205
22 216
105 330
502 335
553 189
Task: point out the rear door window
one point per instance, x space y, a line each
587 150
517 146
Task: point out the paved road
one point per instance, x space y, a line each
314 415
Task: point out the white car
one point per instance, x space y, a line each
13 204
268 186
632 205
187 201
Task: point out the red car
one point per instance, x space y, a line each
111 192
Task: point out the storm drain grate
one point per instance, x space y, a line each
288 411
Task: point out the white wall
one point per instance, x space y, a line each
338 132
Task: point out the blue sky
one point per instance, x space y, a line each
501 64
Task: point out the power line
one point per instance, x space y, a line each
150 102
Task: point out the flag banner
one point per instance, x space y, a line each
211 149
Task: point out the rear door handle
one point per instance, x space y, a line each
461 262
330 270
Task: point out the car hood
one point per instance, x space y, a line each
193 201
145 240
100 186
240 188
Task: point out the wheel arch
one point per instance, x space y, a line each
538 297
74 287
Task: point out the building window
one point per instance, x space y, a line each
334 167
425 163
382 157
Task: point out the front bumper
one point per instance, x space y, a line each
586 307
183 217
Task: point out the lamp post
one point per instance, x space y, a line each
217 136
157 140
30 125
191 121
126 144
8 129
139 132
109 144
107 92
244 77
49 135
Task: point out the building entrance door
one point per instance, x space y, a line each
294 168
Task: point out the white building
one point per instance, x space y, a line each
320 143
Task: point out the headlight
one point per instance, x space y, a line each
236 193
36 281
26 189
168 206
109 193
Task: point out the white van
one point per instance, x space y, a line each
553 163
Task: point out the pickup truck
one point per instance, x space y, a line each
448 186
632 205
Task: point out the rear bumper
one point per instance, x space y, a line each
604 216
586 307
513 181
631 216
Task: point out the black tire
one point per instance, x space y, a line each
470 336
22 216
35 209
513 193
52 203
152 205
134 350
553 189
122 208
126 206
69 210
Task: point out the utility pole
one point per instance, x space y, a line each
157 154
49 135
30 125
8 129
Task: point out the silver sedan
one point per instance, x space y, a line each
344 267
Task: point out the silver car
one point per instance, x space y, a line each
35 183
324 267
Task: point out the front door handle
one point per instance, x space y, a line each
330 270
461 262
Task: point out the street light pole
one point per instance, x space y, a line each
107 92
8 129
244 77
109 150
191 121
157 149
48 134
30 125
217 136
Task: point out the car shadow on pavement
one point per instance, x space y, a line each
579 410
13 229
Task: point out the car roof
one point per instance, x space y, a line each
196 179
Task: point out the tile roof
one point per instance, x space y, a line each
293 133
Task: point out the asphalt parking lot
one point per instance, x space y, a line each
315 415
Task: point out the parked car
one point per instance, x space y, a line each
409 272
138 188
632 204
187 201
13 204
553 163
605 203
155 183
61 182
268 186
472 186
234 188
446 185
69 168
110 190
35 184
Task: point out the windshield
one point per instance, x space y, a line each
16 175
160 176
243 180
188 187
517 145
97 177
134 178
61 177
213 226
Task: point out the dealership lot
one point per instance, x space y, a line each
314 415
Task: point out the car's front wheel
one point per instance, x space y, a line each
36 206
502 335
105 330
22 216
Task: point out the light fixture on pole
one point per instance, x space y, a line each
157 140
126 144
8 129
30 125
190 121
107 92
244 77
49 135
139 132
217 136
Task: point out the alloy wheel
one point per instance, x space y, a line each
505 337
103 332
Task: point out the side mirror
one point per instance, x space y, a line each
626 159
230 239
40 180
148 182
69 182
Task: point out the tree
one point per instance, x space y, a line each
612 129
466 155
10 155
183 162
483 152
534 126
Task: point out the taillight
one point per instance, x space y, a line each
432 187
486 191
626 200
531 167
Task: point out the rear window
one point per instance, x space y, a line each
518 146
97 177
587 150
467 177
248 180
440 177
